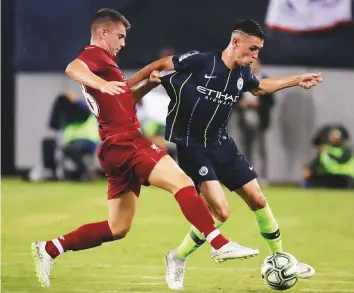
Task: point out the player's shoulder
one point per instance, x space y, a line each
190 55
95 52
189 61
247 71
212 55
196 59
92 48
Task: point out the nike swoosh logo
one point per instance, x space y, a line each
209 76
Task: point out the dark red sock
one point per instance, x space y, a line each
197 213
84 237
51 249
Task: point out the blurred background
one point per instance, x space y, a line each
282 135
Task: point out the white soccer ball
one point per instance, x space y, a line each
279 271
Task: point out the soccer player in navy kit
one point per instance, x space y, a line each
203 89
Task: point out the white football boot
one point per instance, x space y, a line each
175 268
232 250
43 262
305 271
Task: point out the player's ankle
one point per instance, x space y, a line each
216 239
219 242
53 248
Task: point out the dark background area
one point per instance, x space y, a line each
40 35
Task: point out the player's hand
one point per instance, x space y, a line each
154 77
310 80
113 87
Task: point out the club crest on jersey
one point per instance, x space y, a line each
186 55
240 83
203 171
156 148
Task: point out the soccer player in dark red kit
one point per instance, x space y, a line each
128 159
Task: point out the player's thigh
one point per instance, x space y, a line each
196 163
121 211
233 169
169 176
252 194
215 197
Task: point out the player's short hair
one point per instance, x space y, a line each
105 15
249 27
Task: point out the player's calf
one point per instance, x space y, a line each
268 226
85 237
167 175
215 197
121 214
119 232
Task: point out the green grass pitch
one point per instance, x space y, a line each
317 228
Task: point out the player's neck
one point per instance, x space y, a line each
97 43
228 59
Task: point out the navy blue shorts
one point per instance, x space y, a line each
218 162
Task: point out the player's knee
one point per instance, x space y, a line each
179 182
184 181
222 212
119 231
257 201
252 194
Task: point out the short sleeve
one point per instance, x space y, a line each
188 61
250 80
94 58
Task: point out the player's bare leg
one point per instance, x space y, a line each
121 212
216 199
252 194
169 176
176 259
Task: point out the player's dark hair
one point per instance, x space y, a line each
109 15
249 27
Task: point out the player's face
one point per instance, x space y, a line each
246 49
115 38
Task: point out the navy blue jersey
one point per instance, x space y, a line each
202 91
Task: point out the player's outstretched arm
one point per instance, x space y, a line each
271 85
159 65
140 90
80 72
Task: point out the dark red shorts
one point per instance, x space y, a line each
127 159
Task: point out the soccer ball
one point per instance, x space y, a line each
279 271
